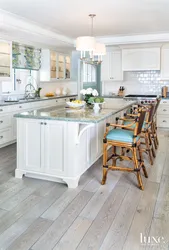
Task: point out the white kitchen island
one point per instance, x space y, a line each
60 144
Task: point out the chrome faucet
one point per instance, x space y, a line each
29 91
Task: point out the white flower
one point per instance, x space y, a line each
95 93
83 91
89 91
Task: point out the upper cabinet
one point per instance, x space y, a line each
111 67
5 60
165 64
141 59
54 66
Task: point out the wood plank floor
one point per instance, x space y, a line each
42 215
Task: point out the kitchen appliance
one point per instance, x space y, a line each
164 91
142 99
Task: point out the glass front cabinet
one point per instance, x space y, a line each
5 60
54 66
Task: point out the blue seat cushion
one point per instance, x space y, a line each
121 135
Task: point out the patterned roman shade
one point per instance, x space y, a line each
25 57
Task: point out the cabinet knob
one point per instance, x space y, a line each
41 123
56 100
164 102
20 107
1 137
45 123
1 110
1 121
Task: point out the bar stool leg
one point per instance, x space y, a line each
151 144
137 169
142 162
148 148
105 166
114 153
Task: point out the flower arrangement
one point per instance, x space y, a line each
88 93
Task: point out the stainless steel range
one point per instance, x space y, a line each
142 99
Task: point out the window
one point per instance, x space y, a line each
20 78
89 73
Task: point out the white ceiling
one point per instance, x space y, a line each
114 17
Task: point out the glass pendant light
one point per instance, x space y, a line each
90 50
99 52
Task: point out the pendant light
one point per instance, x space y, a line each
90 50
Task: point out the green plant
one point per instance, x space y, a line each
96 99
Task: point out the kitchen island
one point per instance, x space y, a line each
61 144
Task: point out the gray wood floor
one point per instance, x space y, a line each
37 214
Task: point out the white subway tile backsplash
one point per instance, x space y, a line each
138 82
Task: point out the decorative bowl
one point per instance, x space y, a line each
75 105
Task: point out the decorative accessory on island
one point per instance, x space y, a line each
88 93
91 52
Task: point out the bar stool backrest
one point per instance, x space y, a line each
151 113
139 121
158 100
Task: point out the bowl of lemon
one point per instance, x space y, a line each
76 104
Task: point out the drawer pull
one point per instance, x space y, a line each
1 137
1 110
164 110
164 102
164 121
1 121
20 107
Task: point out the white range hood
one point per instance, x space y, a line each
138 59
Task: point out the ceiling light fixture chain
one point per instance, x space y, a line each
92 17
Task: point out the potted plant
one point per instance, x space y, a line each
88 93
96 101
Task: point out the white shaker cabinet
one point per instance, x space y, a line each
52 147
32 145
163 114
111 67
141 59
5 60
165 64
43 146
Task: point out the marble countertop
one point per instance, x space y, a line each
3 103
84 115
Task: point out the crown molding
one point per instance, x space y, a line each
10 24
134 39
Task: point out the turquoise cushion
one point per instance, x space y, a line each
121 135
